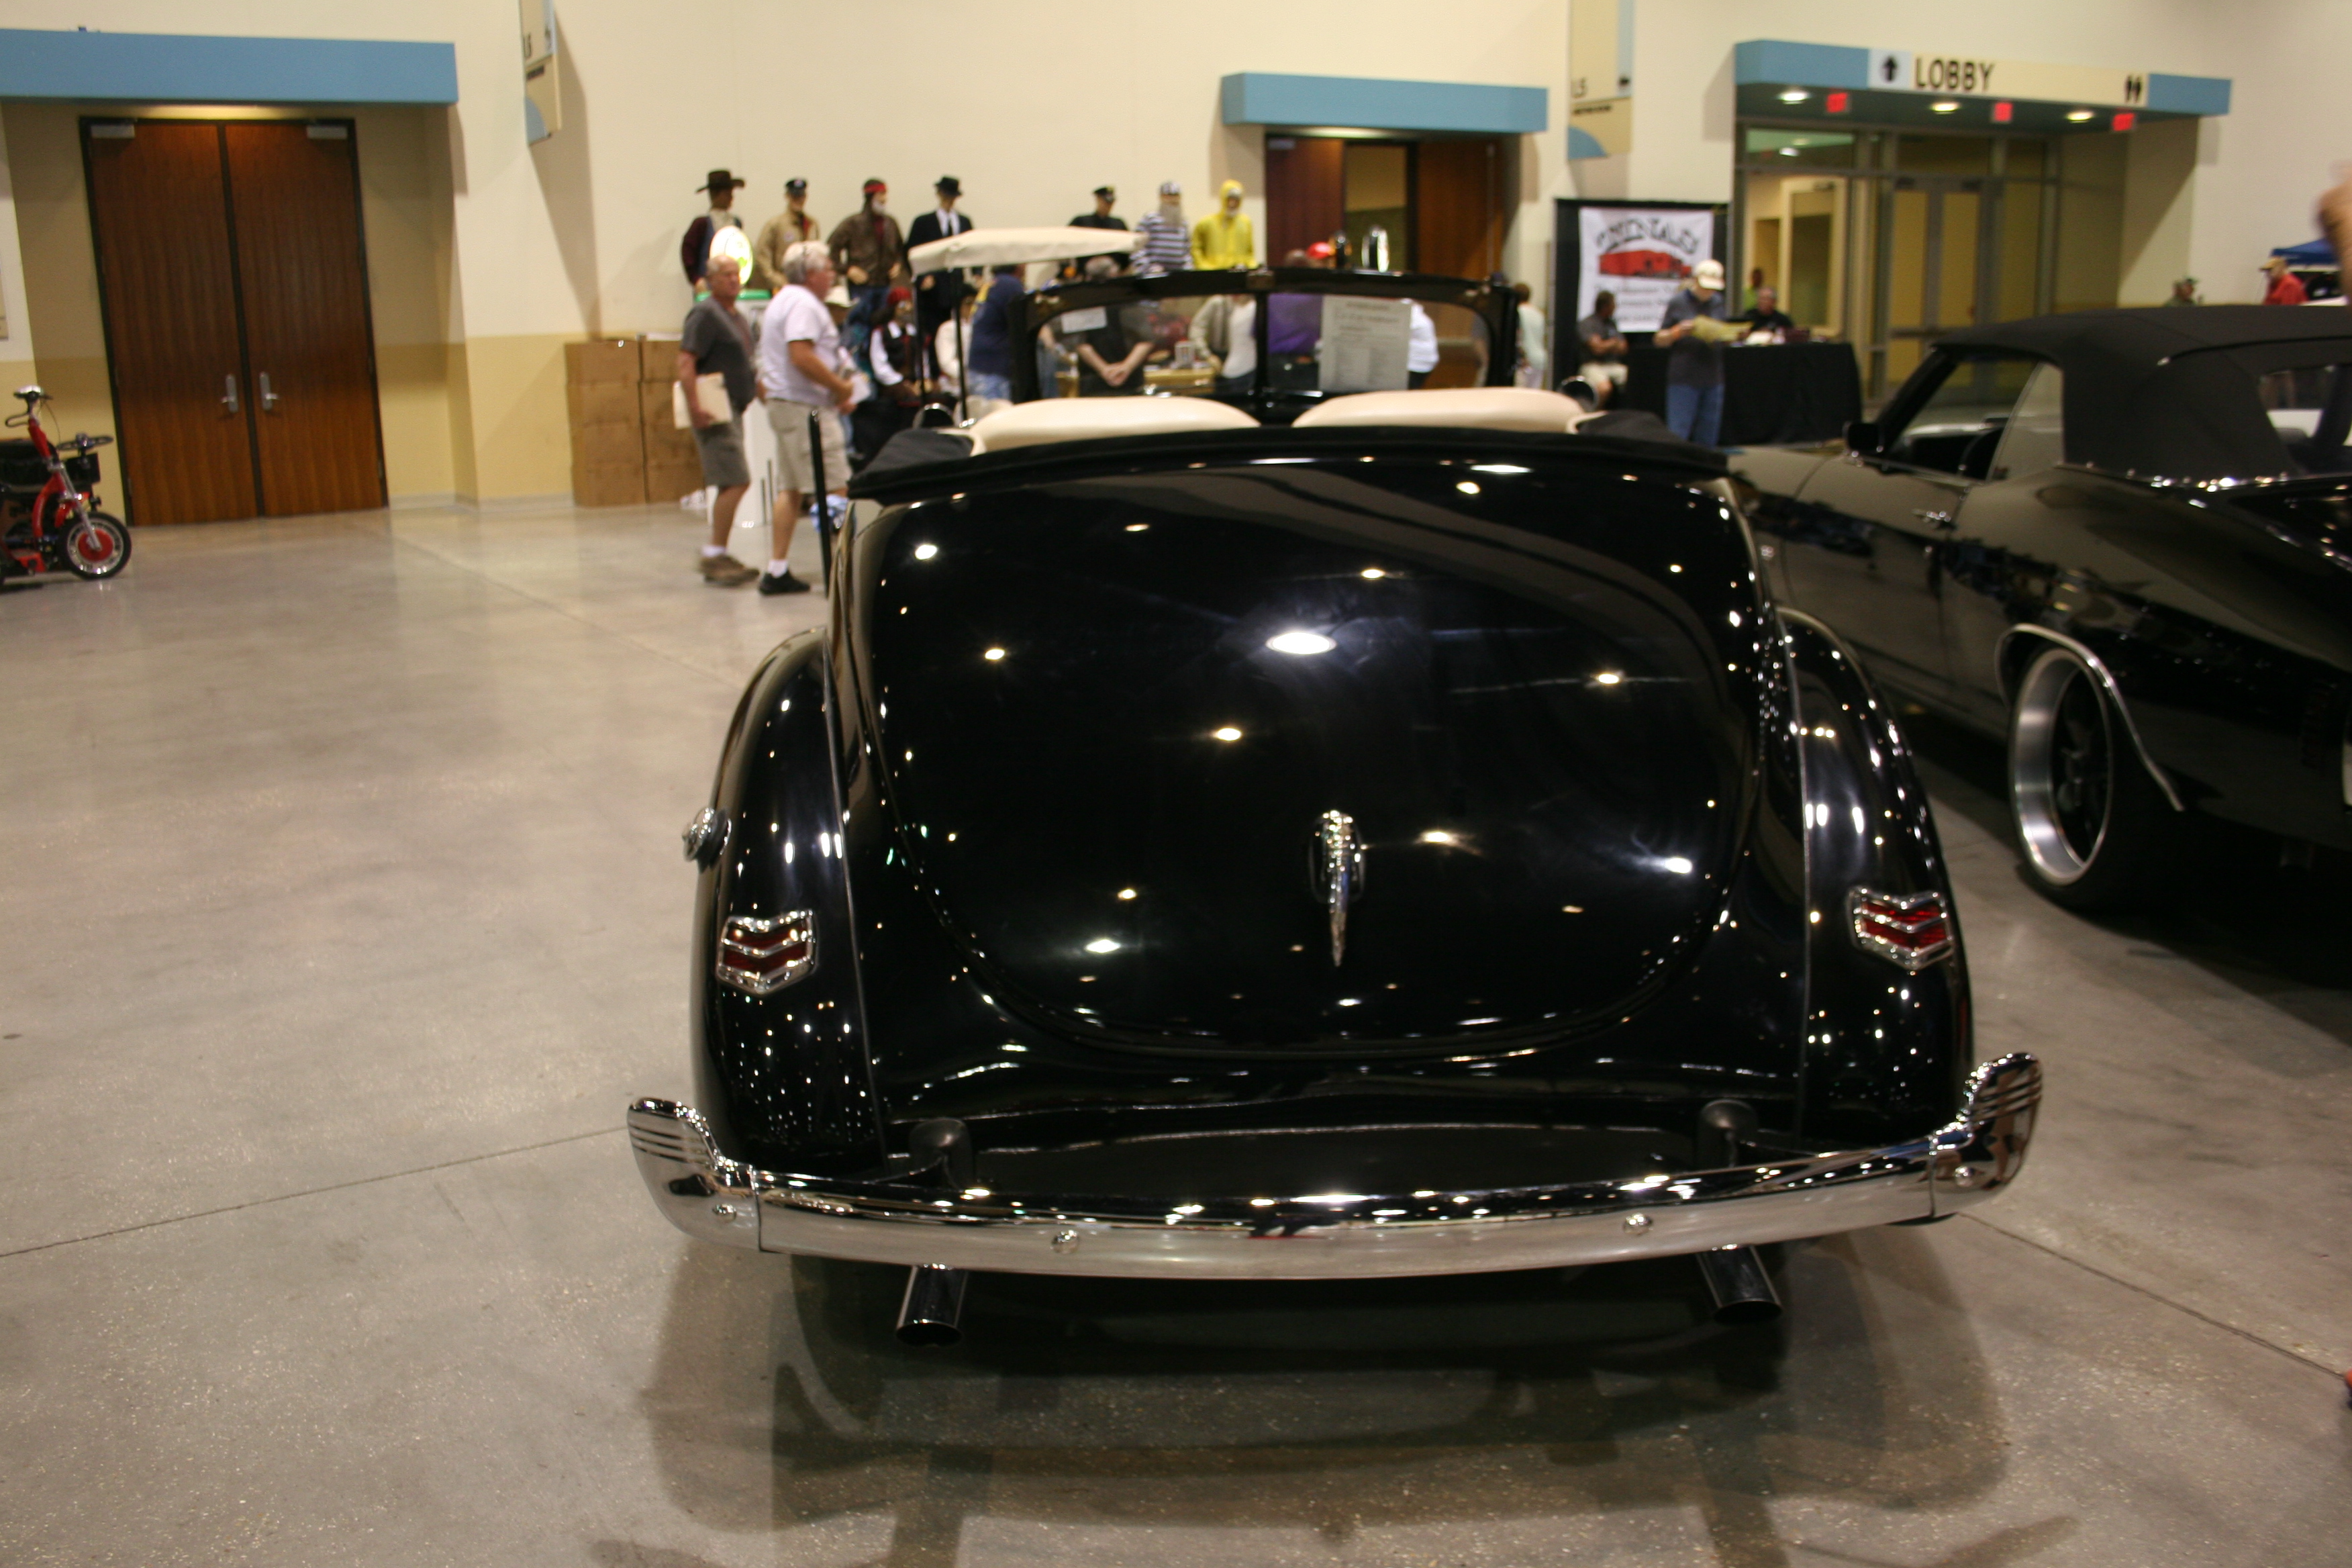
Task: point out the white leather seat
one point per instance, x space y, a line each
1467 408
1093 418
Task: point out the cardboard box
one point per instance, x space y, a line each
608 442
601 359
654 405
602 402
657 357
667 479
609 484
662 444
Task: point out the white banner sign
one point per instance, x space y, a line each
1973 76
1641 255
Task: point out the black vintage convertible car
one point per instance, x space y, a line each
1314 828
2117 539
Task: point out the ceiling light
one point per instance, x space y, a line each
1608 677
1674 863
1947 106
1227 733
925 551
1374 571
1468 487
1127 892
992 655
1300 644
1102 944
1437 835
1137 527
2078 115
1794 95
1787 151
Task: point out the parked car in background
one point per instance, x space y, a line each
2121 540
1315 829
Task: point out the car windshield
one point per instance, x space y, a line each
1288 336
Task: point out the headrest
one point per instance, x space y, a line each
1093 418
1469 407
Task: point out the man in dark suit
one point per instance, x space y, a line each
936 294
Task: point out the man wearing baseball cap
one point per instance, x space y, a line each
867 248
1694 365
694 250
780 234
1166 248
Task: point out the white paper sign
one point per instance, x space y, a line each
1093 319
1641 255
1364 343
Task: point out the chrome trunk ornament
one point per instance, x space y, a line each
1338 874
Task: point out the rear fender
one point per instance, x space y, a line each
784 1077
1888 1051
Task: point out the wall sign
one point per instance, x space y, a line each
1641 254
1947 74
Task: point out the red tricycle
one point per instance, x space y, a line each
49 520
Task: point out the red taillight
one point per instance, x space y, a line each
759 955
1913 930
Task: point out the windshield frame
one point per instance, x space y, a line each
1496 308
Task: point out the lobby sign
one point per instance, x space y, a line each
1946 74
1641 255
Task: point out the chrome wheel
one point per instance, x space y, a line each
2096 827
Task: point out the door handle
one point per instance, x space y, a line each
229 394
1940 518
268 398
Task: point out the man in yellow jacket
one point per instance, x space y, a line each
1223 238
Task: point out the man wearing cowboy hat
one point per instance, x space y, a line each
780 234
694 251
1694 364
937 293
1223 239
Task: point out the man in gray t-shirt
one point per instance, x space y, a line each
715 341
1601 348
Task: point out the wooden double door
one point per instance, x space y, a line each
1445 204
234 281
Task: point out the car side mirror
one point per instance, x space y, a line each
1862 438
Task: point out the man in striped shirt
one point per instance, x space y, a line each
1167 244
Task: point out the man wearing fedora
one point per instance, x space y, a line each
694 251
936 294
780 234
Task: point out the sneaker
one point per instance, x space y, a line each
781 582
726 572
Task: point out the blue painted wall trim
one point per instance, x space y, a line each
169 68
1782 64
2188 94
1260 98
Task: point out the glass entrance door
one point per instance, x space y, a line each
1891 238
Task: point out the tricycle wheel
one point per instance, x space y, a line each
95 546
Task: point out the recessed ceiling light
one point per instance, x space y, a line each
1437 835
1102 944
1794 95
925 551
1227 733
2078 115
1127 892
992 655
1468 487
1608 677
1787 151
1374 571
1300 644
1947 106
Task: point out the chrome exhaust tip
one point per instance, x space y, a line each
1742 1291
933 1308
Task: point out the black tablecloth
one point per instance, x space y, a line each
1783 394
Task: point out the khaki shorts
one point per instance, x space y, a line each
793 470
1602 373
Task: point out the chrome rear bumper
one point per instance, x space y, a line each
1339 1235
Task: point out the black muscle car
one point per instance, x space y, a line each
2120 539
1314 827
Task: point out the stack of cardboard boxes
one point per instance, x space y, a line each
627 450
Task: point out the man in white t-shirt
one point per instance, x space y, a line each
802 370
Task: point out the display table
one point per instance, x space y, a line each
1775 395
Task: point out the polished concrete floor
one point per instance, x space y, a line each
344 912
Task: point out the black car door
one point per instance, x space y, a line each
1879 522
2001 563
